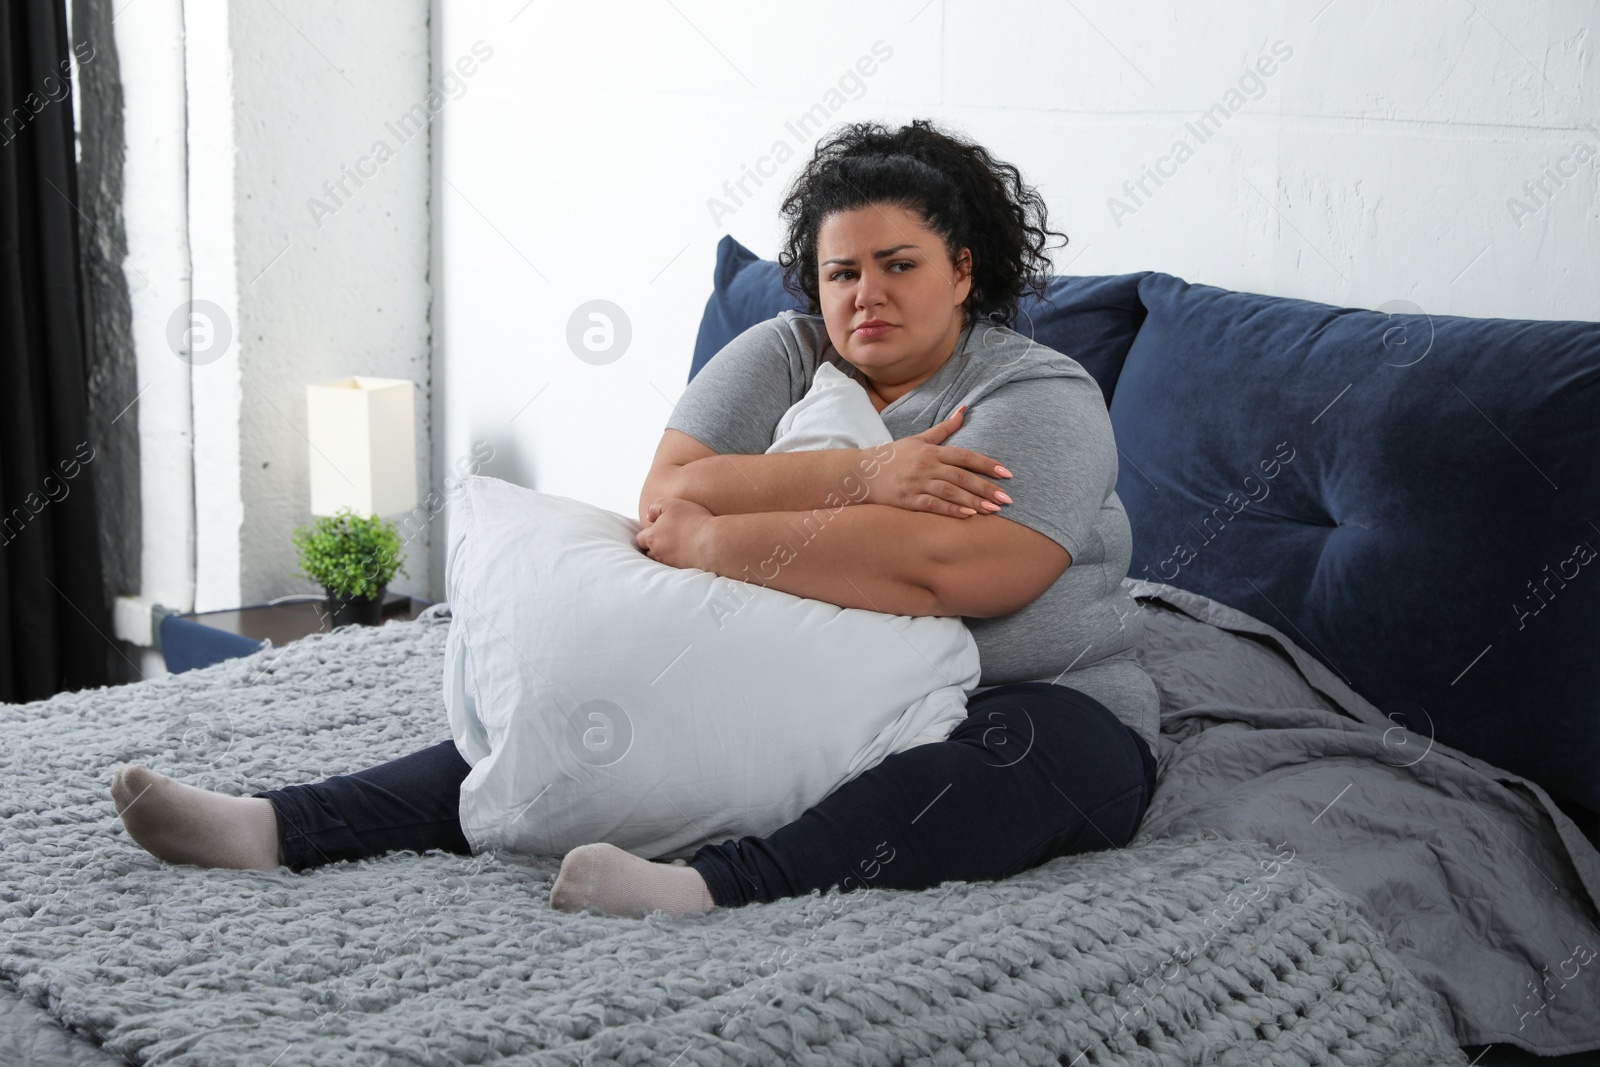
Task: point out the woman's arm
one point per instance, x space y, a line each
780 481
880 558
917 473
873 557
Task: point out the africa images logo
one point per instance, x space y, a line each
1252 85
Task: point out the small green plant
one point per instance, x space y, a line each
352 556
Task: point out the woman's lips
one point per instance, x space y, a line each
869 332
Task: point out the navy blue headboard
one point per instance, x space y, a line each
1414 500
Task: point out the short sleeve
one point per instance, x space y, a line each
1053 434
734 403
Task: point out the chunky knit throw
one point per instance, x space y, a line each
1173 951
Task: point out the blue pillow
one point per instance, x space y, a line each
745 290
1092 319
1413 499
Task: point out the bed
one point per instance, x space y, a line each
1332 870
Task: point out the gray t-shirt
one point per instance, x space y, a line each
1032 409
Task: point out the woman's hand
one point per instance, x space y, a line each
673 532
921 474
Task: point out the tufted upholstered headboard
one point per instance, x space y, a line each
1414 499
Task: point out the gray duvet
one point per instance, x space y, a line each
1481 885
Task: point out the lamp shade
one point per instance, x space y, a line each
363 446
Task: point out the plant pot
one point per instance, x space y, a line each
354 610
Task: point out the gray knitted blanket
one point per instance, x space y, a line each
1187 950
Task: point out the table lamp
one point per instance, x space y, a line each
363 446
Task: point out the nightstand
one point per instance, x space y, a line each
203 638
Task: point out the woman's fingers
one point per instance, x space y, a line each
960 487
974 489
966 494
956 456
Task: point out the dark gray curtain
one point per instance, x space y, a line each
55 630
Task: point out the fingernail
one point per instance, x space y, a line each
990 505
1002 472
960 409
1001 494
967 511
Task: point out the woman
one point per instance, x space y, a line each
912 246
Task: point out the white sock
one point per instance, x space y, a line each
181 824
613 882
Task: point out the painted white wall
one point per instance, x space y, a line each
1375 163
253 134
331 253
260 218
156 269
213 348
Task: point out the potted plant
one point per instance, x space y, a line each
353 559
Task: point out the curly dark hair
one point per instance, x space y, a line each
958 190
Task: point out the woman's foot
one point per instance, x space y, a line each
613 882
181 824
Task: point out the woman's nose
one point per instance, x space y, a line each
869 293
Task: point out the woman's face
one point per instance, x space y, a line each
879 263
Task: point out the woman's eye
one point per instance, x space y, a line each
836 275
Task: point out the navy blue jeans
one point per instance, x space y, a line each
409 803
1035 771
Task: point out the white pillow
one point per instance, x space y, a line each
834 413
601 695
